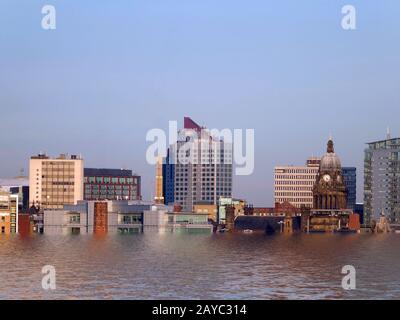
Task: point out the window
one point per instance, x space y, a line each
131 219
76 218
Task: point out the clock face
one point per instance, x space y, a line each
327 178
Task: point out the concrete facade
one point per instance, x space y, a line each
55 182
88 217
206 173
160 218
294 184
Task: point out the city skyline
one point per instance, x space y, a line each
286 70
196 155
360 177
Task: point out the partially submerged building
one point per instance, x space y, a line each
120 217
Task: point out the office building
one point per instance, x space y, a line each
294 184
96 217
111 184
202 166
55 182
8 213
382 180
121 217
350 181
168 173
18 186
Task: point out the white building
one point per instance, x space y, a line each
294 184
88 217
55 182
203 166
120 217
162 218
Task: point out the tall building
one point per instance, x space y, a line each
202 166
8 213
294 184
168 173
159 197
55 182
382 180
350 181
111 184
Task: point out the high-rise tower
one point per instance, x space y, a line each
382 180
202 166
159 198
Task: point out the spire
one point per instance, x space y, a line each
388 135
330 148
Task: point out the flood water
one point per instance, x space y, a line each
201 266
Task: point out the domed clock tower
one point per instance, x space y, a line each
329 190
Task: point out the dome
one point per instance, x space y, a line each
330 161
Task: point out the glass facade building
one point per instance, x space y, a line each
350 180
168 172
111 184
382 180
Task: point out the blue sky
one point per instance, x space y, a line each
112 70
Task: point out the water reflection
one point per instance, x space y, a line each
190 266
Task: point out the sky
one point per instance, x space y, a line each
113 70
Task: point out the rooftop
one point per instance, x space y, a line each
391 141
93 172
62 156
